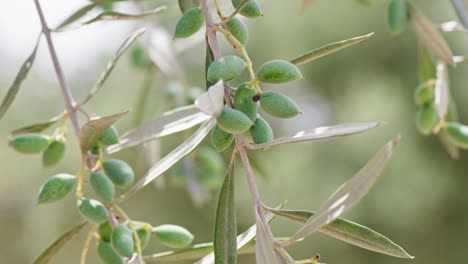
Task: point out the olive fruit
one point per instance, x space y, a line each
189 23
238 30
173 236
397 16
107 254
252 9
30 143
423 94
144 234
120 173
458 134
104 231
278 105
122 240
233 121
55 188
53 153
92 210
220 139
102 185
244 101
261 131
110 136
278 71
426 119
226 68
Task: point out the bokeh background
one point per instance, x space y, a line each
421 202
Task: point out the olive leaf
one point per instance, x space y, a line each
328 49
348 232
110 15
320 133
349 193
264 252
441 93
169 123
77 15
92 130
55 247
170 159
20 77
429 35
225 230
452 26
211 102
110 66
38 127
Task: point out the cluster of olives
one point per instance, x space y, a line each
52 147
119 242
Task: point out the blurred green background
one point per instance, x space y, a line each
420 203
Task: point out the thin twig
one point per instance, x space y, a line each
460 9
84 253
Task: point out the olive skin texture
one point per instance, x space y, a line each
426 119
119 172
54 153
173 236
226 68
252 9
261 131
30 143
397 17
220 139
92 210
189 23
233 121
102 185
458 134
278 71
122 240
56 188
110 136
279 105
107 254
424 94
238 30
244 102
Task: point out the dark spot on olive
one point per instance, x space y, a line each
256 98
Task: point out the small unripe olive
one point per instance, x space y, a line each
173 236
225 68
189 23
221 139
397 16
252 9
55 188
278 71
458 134
54 153
244 101
238 30
122 240
104 231
233 121
144 233
93 210
120 173
30 143
423 94
426 119
279 105
261 131
102 185
110 136
107 254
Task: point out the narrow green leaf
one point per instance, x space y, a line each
349 193
92 130
169 123
264 252
349 232
429 35
328 49
320 133
172 158
20 77
53 249
111 15
110 66
77 15
426 64
225 230
36 128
